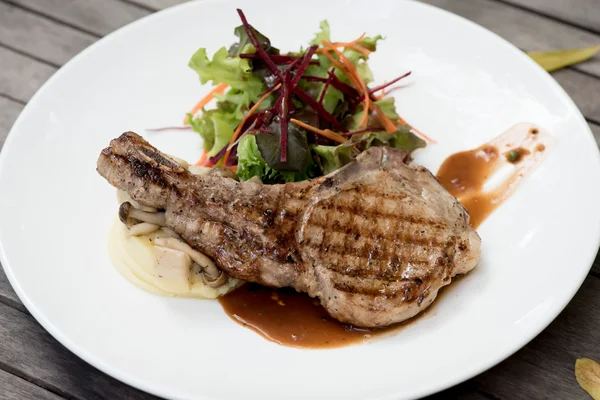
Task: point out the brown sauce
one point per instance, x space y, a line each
289 318
464 174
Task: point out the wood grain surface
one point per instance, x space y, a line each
38 36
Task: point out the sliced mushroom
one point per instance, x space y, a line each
128 214
214 283
209 267
123 196
143 228
171 232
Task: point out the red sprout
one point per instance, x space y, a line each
381 87
335 82
215 159
283 117
266 58
323 113
302 67
325 87
170 128
277 59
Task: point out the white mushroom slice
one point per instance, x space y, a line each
206 263
171 232
214 283
123 197
172 271
128 212
143 228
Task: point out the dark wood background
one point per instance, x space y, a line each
38 36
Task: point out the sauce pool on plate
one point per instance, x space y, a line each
287 317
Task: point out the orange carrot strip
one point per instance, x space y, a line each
219 89
329 134
248 114
351 69
203 158
424 136
352 46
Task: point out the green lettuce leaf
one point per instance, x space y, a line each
387 106
245 46
233 71
334 157
251 163
215 128
324 34
402 139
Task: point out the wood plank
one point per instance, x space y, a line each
464 391
544 369
583 89
8 295
37 36
596 131
29 352
15 388
525 30
584 13
9 110
21 76
156 4
97 17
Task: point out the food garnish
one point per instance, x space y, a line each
294 116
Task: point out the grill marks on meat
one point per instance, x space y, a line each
375 240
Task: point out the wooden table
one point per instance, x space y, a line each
38 36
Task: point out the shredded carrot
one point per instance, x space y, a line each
328 133
202 159
353 75
219 89
248 114
353 45
424 136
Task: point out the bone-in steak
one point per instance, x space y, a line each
374 241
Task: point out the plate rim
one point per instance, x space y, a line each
435 386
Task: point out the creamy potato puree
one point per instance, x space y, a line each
134 257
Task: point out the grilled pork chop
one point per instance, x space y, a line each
374 241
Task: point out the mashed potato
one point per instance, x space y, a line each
136 259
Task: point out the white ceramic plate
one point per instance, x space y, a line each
468 85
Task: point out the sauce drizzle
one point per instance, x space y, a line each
465 174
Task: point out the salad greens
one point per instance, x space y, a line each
295 116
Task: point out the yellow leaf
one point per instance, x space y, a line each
553 60
587 372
